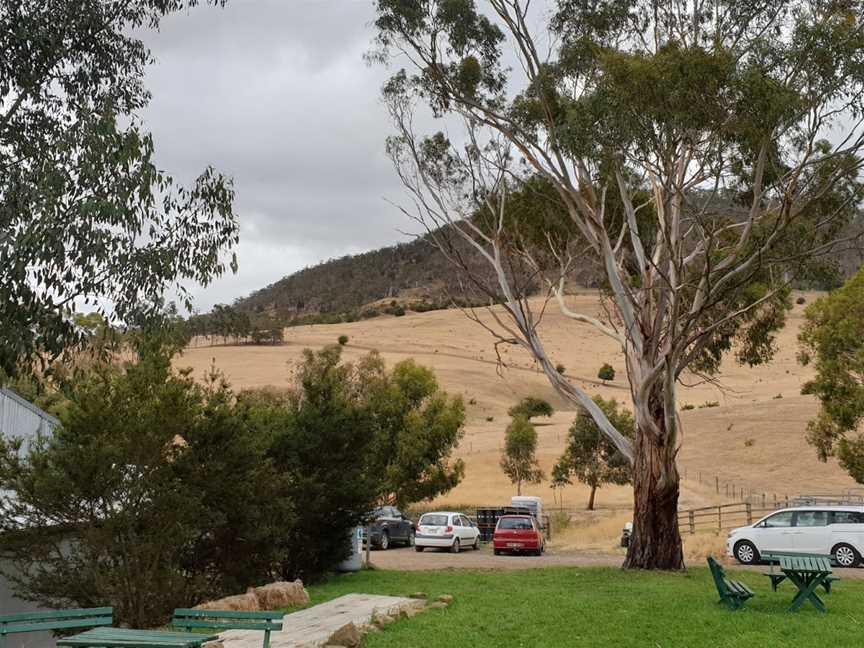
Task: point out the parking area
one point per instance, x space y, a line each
406 559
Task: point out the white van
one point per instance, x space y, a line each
835 530
530 502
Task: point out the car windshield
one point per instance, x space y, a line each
515 523
433 520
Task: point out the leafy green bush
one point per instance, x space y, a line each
530 407
607 372
343 340
159 492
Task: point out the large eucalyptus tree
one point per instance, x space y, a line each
85 213
704 155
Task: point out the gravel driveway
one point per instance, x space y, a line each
406 559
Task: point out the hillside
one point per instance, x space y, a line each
415 270
753 437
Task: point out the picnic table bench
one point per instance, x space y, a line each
128 638
228 620
733 593
779 577
807 572
54 620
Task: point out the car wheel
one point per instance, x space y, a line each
455 547
418 549
411 539
476 544
746 553
385 541
497 552
845 555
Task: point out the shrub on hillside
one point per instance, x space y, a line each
560 368
343 340
530 407
607 372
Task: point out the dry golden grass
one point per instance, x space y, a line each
698 547
716 441
592 531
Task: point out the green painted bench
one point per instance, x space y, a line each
733 593
54 620
228 620
777 578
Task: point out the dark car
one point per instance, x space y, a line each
389 526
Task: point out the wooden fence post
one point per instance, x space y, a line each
717 484
749 513
692 522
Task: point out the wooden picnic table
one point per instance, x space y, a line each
807 572
126 638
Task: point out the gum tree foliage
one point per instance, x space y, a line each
86 216
833 338
590 457
685 145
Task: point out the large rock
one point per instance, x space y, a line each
348 636
247 602
281 594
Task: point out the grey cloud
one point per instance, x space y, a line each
277 94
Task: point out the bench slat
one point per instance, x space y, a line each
54 625
226 614
57 614
231 625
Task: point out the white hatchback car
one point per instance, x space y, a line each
446 529
835 530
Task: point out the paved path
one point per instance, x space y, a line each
313 626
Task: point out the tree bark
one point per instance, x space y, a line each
655 542
591 498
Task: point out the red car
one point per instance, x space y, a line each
517 534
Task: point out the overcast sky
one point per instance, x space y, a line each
276 94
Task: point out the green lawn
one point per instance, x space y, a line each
602 607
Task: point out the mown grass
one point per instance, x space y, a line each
563 607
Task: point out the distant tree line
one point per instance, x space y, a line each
230 325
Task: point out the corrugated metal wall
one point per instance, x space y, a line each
21 419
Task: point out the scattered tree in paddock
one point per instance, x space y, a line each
590 456
607 372
519 456
531 407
